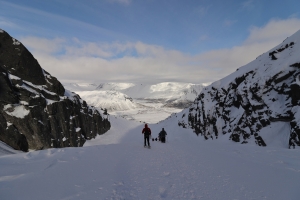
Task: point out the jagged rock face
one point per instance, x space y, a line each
254 98
35 110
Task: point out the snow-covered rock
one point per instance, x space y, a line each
36 112
257 103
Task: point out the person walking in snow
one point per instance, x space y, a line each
147 133
162 135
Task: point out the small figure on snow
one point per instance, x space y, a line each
162 135
147 133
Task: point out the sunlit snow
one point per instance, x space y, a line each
18 111
117 166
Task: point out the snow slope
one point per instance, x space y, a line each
5 149
117 166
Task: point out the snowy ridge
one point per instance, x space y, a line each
80 86
258 103
110 100
114 86
149 103
165 90
168 91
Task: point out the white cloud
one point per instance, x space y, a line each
276 30
137 61
260 40
43 45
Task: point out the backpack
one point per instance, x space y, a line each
163 133
147 131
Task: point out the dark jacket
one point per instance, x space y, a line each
162 133
146 131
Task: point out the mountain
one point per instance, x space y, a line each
150 103
171 94
259 103
80 86
110 100
36 112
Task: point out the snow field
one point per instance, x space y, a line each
117 166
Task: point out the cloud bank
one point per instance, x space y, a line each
75 60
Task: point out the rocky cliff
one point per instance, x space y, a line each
258 103
36 112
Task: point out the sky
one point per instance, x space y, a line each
194 41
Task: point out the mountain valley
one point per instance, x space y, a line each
149 103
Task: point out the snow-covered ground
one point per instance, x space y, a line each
117 166
138 101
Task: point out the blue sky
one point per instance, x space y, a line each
148 40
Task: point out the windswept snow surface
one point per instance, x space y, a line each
117 166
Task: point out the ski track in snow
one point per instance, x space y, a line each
116 166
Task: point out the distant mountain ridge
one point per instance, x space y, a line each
164 90
110 100
171 94
259 103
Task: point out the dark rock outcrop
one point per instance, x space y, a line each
36 112
249 103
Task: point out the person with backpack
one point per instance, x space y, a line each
162 135
147 133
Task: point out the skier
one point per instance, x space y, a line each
147 133
162 135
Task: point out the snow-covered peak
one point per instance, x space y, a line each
149 102
110 100
80 86
164 90
169 86
114 86
258 103
268 64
